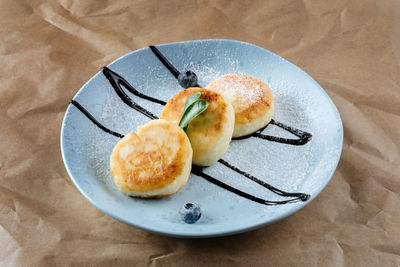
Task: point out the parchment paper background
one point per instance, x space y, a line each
48 50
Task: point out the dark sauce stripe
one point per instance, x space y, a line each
301 196
92 119
303 139
118 79
116 84
165 61
198 171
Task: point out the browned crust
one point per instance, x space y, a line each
159 176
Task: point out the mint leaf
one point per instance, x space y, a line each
193 107
191 100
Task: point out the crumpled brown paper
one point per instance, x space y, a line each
49 49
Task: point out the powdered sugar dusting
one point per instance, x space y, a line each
206 72
239 88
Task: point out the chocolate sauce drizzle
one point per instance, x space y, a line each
275 190
304 137
117 82
199 172
166 63
92 119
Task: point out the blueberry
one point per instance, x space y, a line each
187 79
190 213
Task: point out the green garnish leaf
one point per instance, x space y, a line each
191 100
193 107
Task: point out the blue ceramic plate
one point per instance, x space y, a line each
299 102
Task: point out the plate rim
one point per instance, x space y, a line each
177 233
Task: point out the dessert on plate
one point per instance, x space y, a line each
210 132
251 99
196 126
154 162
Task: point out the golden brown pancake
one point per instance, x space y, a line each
209 133
154 162
251 99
